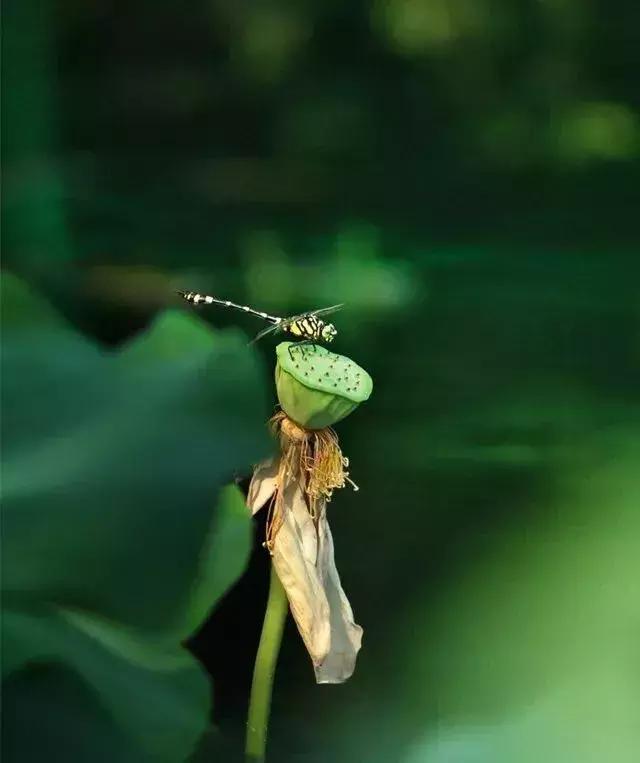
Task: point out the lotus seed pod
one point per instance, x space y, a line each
317 388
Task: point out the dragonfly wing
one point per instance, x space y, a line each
265 332
326 310
320 311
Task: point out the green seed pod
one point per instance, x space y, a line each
316 387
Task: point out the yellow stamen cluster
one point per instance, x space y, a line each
310 458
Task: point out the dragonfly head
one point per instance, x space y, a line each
328 332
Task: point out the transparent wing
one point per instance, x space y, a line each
325 310
265 332
278 326
320 311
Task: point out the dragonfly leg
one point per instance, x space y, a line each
297 346
300 347
306 343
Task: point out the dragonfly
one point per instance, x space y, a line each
306 328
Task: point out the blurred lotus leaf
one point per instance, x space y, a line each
113 552
534 648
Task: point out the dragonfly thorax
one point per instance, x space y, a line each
310 328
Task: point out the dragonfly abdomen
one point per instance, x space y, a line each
195 298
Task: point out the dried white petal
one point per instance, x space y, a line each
294 556
263 484
304 560
346 635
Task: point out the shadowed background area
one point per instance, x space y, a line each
463 175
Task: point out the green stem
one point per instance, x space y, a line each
264 670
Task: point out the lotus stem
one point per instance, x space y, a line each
264 670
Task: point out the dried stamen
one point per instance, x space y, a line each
311 457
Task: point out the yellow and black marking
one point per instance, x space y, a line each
306 328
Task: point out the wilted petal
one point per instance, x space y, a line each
307 570
346 635
294 555
263 484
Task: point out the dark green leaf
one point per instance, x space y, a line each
113 550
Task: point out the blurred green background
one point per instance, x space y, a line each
463 174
